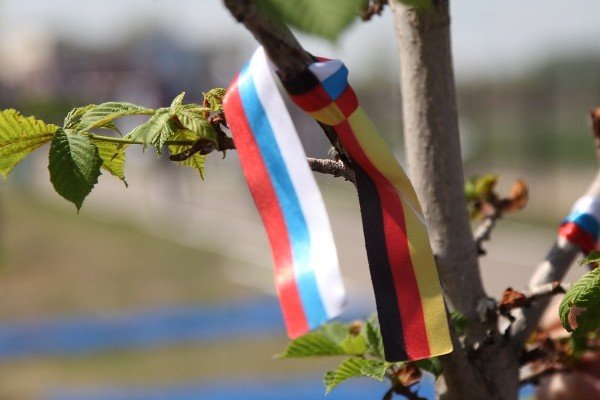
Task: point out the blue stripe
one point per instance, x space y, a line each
586 222
336 83
286 194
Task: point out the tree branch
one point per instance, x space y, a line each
432 141
514 299
484 230
553 268
282 48
332 167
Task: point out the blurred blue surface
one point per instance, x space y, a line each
143 328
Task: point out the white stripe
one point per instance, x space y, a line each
587 205
324 69
323 258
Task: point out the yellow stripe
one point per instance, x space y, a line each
330 115
428 282
380 155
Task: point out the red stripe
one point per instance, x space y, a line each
313 100
580 237
347 102
270 211
405 282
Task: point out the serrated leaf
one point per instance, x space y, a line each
354 367
74 165
194 122
149 132
313 344
592 259
323 18
74 116
354 345
336 331
113 157
102 115
19 136
374 341
580 308
197 160
177 101
214 99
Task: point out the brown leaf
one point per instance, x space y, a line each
409 374
518 197
573 314
512 299
596 122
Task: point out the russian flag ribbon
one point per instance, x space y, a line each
409 301
582 226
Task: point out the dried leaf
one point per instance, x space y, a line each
512 299
409 374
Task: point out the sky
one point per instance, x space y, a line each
491 38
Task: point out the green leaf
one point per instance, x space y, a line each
102 115
592 259
580 308
197 160
73 118
432 365
192 120
354 345
374 341
113 157
336 331
319 17
459 321
19 136
213 99
177 101
312 344
150 131
74 165
354 367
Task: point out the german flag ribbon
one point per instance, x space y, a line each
410 305
582 226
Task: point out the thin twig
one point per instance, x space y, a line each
512 299
331 167
483 232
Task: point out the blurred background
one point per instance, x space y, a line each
164 290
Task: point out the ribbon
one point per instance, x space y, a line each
582 226
307 276
410 305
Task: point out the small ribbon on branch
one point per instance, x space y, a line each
582 226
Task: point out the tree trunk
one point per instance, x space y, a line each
486 368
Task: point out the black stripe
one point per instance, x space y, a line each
302 83
379 266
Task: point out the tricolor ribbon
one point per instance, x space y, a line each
582 226
410 305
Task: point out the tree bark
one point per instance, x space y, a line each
485 368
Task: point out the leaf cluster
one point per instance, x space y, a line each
483 199
359 341
77 153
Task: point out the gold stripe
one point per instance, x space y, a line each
380 155
428 282
330 115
